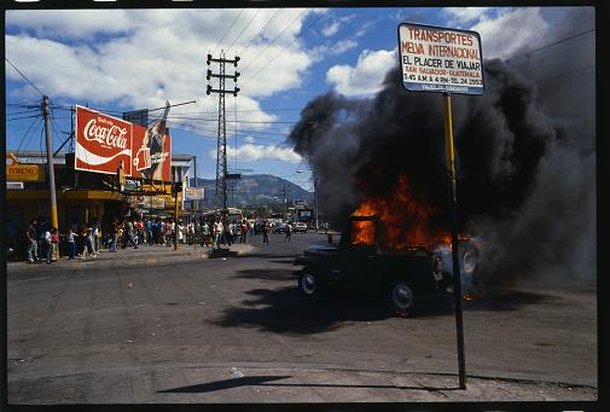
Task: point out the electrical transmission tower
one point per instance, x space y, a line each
221 149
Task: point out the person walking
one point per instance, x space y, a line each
30 235
89 250
288 232
266 230
244 231
229 233
129 229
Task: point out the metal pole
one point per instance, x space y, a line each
316 199
459 320
175 215
50 165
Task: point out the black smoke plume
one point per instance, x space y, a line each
526 180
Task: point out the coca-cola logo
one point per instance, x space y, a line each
108 134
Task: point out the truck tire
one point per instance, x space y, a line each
310 284
402 297
469 266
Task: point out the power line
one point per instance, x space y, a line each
244 29
24 77
286 47
546 46
23 117
39 120
274 40
228 30
260 31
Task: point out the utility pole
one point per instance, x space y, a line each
221 149
51 172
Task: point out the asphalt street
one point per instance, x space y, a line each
155 325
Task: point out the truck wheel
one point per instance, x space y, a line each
309 283
402 297
469 261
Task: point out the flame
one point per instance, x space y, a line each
404 221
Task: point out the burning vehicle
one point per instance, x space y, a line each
389 248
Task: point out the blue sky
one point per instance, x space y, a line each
122 60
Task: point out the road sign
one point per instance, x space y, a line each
437 59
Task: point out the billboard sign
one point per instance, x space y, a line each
103 143
152 152
436 59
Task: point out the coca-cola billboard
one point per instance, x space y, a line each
152 154
103 143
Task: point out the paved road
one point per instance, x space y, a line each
233 329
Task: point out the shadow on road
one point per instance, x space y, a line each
265 381
283 310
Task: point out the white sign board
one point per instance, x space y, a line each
14 185
194 193
436 59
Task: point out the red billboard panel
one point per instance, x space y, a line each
103 143
151 152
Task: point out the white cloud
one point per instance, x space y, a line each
459 16
75 24
366 77
331 29
511 31
252 153
140 58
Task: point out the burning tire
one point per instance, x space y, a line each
402 297
310 283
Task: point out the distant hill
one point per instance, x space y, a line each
255 190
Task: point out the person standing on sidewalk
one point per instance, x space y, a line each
48 242
71 237
54 244
95 232
30 235
40 231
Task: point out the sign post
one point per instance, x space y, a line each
436 59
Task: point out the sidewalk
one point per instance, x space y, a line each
144 255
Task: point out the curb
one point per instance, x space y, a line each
129 258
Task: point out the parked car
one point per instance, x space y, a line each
280 227
300 227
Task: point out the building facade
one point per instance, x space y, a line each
83 197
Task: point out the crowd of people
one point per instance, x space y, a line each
46 244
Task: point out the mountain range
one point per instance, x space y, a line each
255 191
